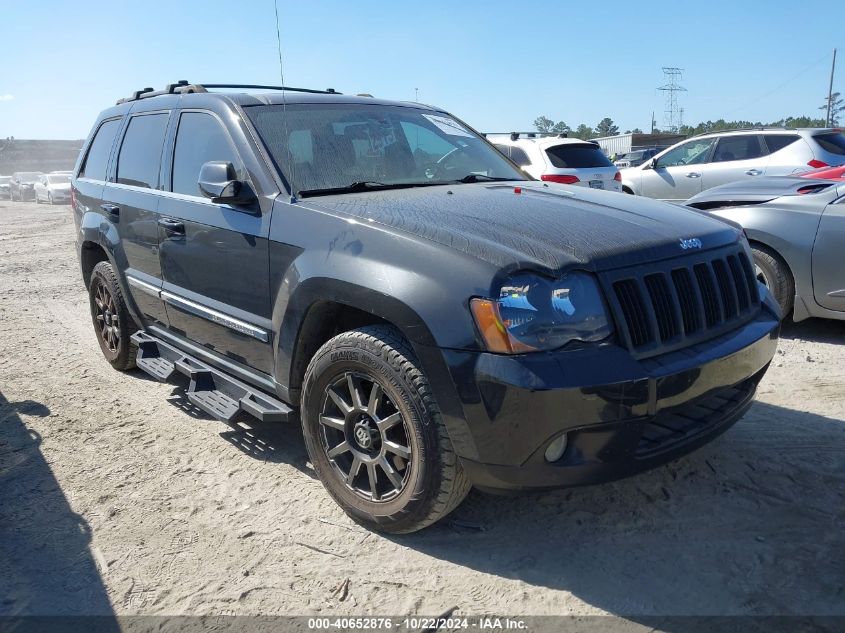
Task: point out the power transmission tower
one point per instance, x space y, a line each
673 115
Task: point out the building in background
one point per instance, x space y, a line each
624 143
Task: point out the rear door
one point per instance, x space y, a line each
735 157
214 257
677 175
130 201
828 271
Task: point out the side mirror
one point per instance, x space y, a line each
651 164
218 181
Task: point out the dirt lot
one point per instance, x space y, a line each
116 496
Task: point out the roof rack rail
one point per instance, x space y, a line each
760 128
515 135
184 87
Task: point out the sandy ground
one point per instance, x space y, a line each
116 496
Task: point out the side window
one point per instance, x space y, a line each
777 142
140 153
690 153
505 149
200 139
741 147
519 156
97 159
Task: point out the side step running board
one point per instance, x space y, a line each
213 391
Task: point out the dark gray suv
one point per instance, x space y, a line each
380 272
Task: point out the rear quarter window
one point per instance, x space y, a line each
97 159
570 156
776 142
833 142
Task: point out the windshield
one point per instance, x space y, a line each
323 147
57 179
29 176
5 180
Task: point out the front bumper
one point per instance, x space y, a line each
622 415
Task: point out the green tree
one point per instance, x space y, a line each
584 132
606 127
561 128
546 125
543 124
837 105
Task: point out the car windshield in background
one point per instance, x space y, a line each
322 149
30 176
577 156
5 180
833 142
58 179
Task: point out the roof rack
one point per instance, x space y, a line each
515 135
184 87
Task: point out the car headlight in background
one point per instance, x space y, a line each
533 313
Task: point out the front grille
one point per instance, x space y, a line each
681 424
670 305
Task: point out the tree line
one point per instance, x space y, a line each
606 127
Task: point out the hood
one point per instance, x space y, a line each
758 191
65 186
547 227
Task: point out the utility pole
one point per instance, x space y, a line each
830 89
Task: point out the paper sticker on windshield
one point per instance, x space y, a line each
448 125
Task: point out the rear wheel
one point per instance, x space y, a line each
773 273
113 324
374 433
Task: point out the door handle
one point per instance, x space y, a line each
693 174
111 209
754 172
172 226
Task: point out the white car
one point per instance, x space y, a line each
568 161
53 188
709 160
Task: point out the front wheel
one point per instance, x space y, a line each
375 435
113 324
773 273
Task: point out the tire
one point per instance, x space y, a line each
423 488
108 311
773 272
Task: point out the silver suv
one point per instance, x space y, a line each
717 158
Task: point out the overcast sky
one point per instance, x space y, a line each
496 64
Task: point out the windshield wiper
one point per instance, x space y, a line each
483 177
364 185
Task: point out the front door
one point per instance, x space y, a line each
677 175
828 271
214 257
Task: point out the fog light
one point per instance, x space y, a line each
555 450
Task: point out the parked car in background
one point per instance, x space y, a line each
54 188
714 159
796 228
4 186
635 158
22 185
827 173
567 161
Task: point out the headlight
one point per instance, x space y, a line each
533 313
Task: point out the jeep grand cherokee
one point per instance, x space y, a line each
435 319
